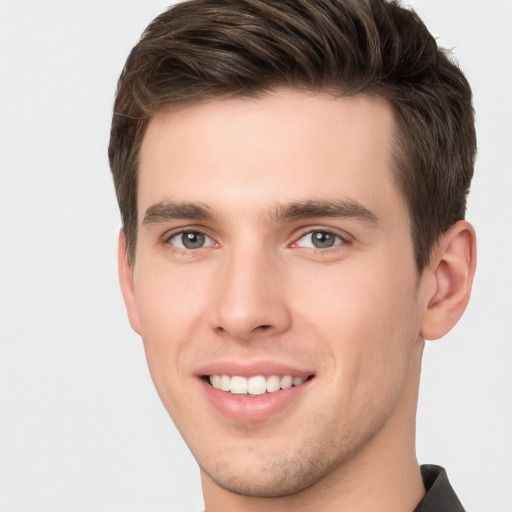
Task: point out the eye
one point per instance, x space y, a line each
189 240
319 239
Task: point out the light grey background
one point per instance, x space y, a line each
81 427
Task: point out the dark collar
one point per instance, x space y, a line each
440 496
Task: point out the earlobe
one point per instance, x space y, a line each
453 266
126 282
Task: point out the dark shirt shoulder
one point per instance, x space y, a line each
440 497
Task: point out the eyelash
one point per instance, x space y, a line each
339 240
182 233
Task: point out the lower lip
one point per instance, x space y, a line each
246 408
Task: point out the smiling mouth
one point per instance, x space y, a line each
255 386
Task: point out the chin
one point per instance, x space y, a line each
275 475
276 480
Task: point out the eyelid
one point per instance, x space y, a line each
168 235
342 235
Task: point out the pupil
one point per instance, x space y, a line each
321 239
193 240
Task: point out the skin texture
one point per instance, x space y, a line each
353 315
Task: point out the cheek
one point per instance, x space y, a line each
168 301
367 321
169 311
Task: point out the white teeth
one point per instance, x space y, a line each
225 383
257 385
273 383
215 381
297 381
238 385
286 382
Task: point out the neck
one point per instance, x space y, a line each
384 475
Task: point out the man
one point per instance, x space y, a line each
292 178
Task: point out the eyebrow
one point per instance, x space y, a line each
344 208
170 210
164 211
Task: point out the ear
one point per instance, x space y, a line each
452 267
126 282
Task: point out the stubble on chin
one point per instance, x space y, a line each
282 475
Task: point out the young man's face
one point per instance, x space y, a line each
273 245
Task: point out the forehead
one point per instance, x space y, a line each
284 146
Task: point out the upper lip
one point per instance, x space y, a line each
253 368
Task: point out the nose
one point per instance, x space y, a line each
251 298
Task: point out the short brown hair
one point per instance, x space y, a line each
222 48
